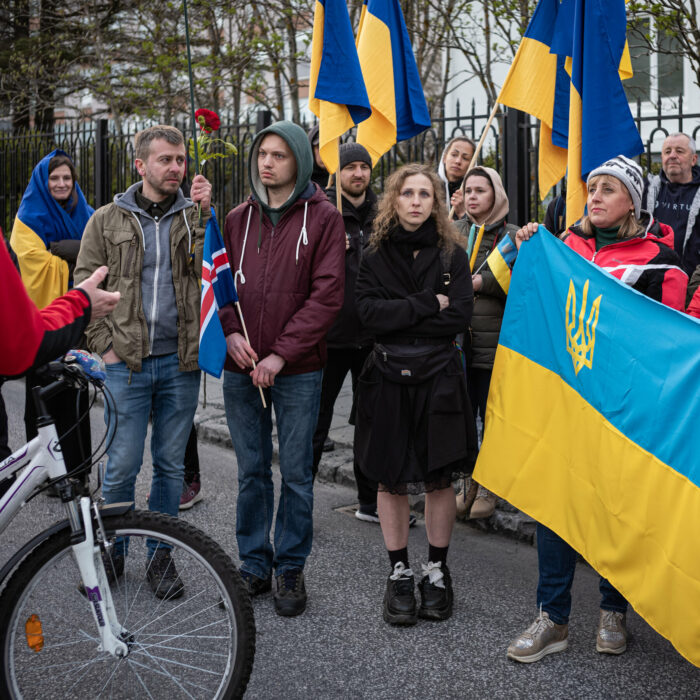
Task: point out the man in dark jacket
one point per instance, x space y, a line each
287 246
673 197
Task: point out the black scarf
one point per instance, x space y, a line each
399 259
425 236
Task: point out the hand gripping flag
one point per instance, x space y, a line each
337 94
591 429
218 289
399 109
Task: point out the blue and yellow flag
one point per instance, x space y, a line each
538 84
601 125
40 221
579 44
399 109
337 94
591 429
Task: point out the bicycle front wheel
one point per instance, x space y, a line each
198 642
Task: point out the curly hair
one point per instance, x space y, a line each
387 218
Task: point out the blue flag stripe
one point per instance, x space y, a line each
645 355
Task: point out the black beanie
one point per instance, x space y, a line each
350 152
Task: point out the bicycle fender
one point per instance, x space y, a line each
106 510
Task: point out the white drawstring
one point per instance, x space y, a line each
239 271
302 235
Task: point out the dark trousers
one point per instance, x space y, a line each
192 457
340 362
5 450
557 564
478 381
66 409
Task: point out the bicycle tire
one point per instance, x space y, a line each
201 644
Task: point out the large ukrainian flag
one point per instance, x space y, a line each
399 109
40 221
592 429
337 94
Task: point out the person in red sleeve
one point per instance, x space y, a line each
32 337
620 237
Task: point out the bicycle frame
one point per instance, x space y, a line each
34 464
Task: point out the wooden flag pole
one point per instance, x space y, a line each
338 194
247 340
472 163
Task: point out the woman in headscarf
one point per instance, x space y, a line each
486 205
46 239
414 430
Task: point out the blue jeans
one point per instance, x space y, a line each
296 399
557 564
171 397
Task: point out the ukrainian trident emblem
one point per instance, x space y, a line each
580 341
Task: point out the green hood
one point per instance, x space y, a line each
298 142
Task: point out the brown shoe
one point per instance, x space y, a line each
612 633
484 503
542 637
465 497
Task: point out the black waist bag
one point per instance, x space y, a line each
411 364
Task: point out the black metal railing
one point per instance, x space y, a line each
104 159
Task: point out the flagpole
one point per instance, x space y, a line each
338 194
189 70
247 340
477 151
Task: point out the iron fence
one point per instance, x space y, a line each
105 160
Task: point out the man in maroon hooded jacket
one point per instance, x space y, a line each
287 246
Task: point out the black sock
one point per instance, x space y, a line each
437 554
397 555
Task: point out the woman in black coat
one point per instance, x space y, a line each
414 425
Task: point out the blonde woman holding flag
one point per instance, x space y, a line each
486 205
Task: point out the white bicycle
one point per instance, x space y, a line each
78 617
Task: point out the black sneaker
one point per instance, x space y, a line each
435 592
163 577
256 585
400 599
290 596
114 568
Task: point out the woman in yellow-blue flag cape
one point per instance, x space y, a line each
48 228
587 463
46 238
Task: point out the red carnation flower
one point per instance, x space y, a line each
208 121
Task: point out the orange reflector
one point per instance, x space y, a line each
35 635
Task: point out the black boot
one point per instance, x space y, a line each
435 592
399 599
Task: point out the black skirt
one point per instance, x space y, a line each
413 438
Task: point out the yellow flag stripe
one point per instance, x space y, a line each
624 510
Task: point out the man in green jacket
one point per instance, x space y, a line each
151 239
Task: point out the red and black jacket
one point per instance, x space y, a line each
646 262
31 337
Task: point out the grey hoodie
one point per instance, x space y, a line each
157 291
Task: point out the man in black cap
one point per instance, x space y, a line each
348 343
319 175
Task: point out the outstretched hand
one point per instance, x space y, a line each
102 302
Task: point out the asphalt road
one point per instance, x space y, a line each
341 648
